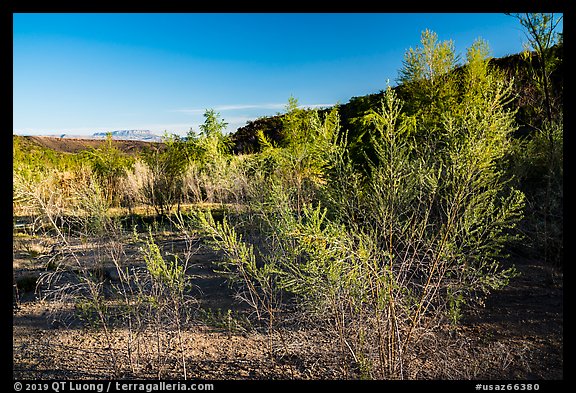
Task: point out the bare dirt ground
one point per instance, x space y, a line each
50 342
528 316
517 335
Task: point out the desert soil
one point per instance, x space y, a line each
517 335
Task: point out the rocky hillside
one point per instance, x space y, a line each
74 145
514 66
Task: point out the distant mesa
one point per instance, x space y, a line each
131 135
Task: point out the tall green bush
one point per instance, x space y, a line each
382 255
163 188
110 166
539 162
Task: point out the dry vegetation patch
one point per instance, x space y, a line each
517 335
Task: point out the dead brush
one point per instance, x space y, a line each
89 279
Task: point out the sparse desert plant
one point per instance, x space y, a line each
163 187
165 294
425 240
229 320
110 166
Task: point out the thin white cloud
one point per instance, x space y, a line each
223 108
234 121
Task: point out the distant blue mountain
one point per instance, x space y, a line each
133 135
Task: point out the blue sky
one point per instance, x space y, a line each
86 73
